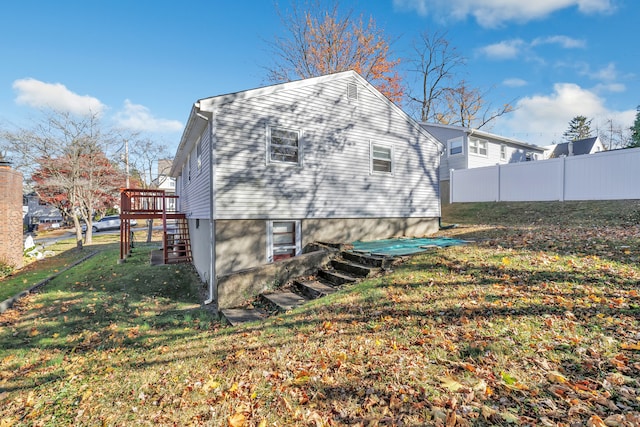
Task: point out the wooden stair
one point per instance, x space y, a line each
177 245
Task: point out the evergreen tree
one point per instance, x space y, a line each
579 128
635 130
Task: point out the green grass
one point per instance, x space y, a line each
35 271
536 323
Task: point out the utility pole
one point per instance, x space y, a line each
126 160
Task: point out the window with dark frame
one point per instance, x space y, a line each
284 146
455 146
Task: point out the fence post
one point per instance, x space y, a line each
498 176
564 179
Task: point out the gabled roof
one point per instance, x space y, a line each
203 109
483 134
580 146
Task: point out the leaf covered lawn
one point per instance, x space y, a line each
533 324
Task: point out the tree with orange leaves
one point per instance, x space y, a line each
322 41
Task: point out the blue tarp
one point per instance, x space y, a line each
403 246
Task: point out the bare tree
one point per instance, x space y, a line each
615 135
67 153
322 41
467 107
144 156
439 96
434 68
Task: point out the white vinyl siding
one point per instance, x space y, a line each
336 180
381 158
194 197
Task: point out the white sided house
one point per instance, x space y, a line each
466 148
262 174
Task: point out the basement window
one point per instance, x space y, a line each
283 240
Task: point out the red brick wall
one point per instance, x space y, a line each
11 245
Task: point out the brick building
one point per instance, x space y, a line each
11 245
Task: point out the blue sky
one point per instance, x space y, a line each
143 63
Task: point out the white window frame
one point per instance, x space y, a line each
450 143
503 152
269 160
298 237
199 153
477 145
372 146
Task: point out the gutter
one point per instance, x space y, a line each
208 116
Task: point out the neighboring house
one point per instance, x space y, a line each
40 215
164 181
466 148
265 172
575 148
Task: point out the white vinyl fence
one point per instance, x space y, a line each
609 175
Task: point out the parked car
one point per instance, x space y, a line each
111 222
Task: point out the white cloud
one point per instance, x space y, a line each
37 94
542 119
493 13
564 41
139 118
514 82
508 49
607 73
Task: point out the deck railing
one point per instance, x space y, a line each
138 203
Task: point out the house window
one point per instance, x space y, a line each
478 146
455 147
283 146
283 240
199 154
381 158
503 152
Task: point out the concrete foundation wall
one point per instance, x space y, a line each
11 246
200 246
241 250
236 288
347 230
242 244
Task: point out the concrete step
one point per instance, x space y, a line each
364 259
284 300
237 316
313 289
336 277
352 268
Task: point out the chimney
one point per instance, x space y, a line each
571 148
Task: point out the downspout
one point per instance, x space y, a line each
212 224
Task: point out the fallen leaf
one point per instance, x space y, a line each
556 377
626 346
450 384
237 420
595 421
